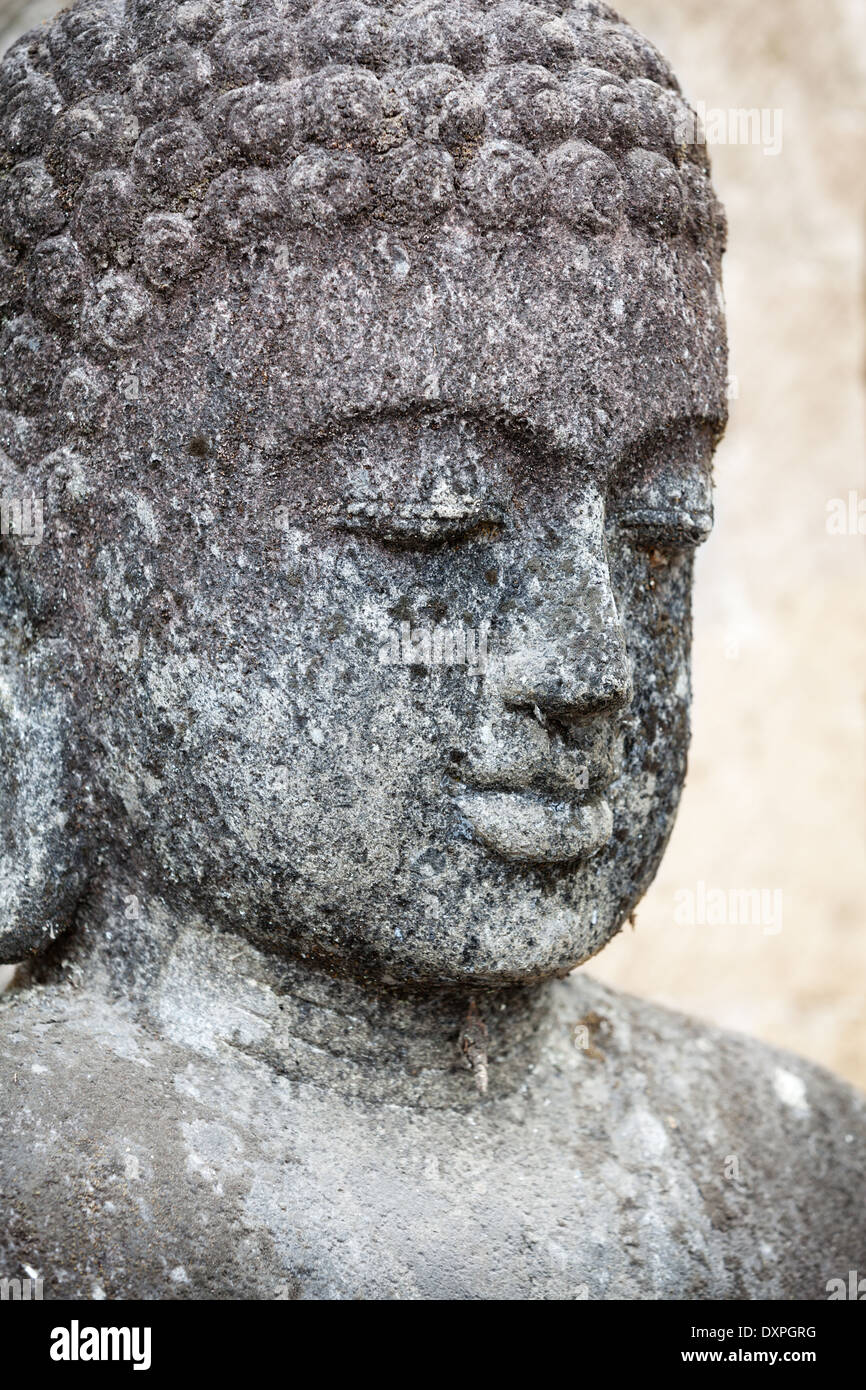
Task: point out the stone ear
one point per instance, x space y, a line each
42 812
42 850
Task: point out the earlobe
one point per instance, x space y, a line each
42 821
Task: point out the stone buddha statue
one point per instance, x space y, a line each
362 369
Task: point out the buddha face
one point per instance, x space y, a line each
388 596
369 379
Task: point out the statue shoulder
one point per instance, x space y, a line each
725 1081
754 1152
101 1193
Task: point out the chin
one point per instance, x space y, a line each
526 926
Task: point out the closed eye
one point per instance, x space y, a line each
662 494
666 528
419 525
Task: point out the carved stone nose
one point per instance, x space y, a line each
567 656
591 676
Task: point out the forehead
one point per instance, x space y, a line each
586 347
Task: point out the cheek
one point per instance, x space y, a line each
653 598
330 750
655 607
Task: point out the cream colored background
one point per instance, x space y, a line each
775 796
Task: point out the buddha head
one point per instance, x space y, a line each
362 370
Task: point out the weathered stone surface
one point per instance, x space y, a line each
367 364
251 1145
429 294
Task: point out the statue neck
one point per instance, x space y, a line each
214 992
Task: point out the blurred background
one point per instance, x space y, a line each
776 797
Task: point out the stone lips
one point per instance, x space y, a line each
141 146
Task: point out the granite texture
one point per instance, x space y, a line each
254 1144
298 350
